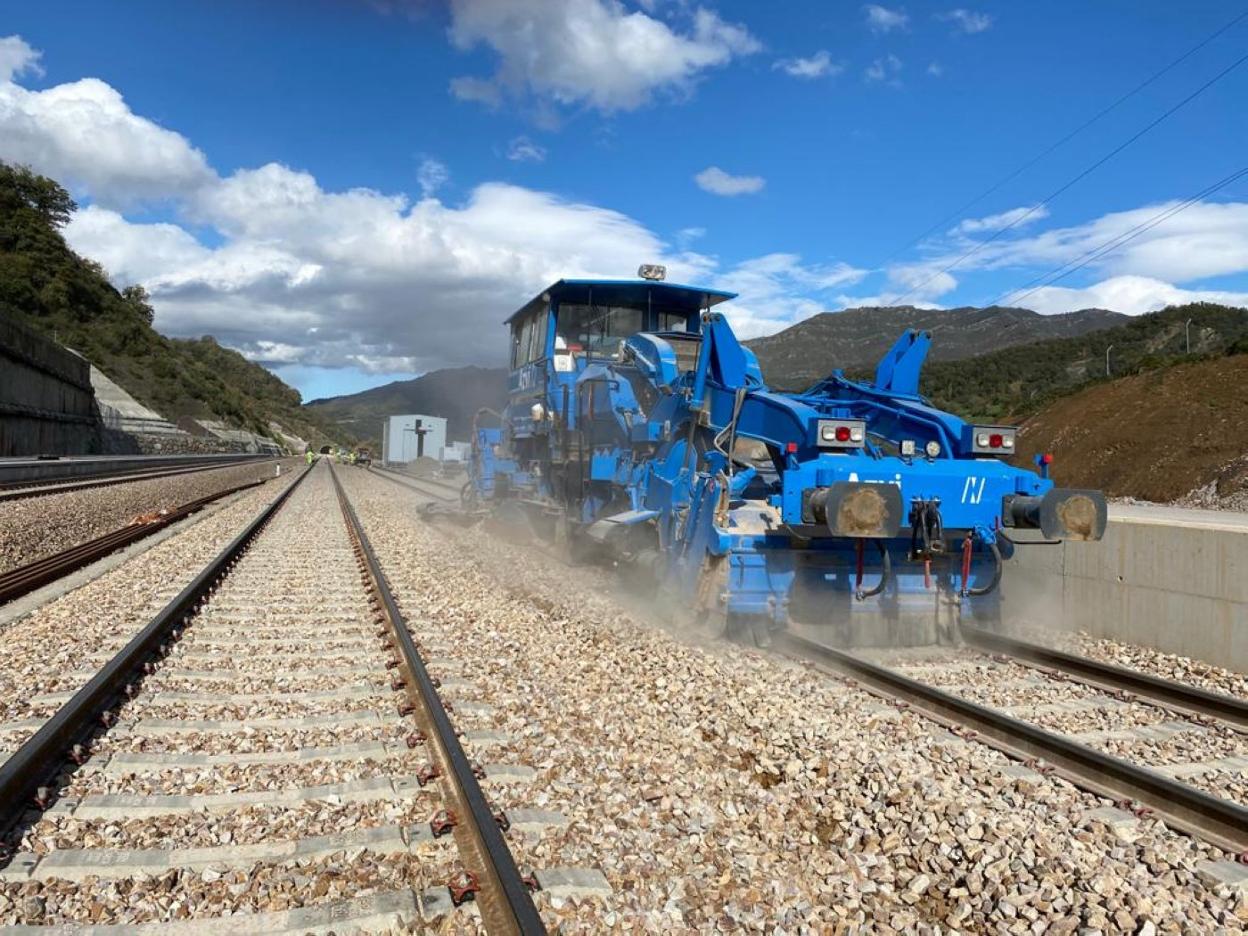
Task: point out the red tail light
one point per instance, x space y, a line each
842 433
992 440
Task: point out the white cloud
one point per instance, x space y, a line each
522 149
778 290
17 58
1021 216
935 69
1204 240
84 131
132 253
816 66
714 180
413 286
881 19
432 175
590 52
916 283
886 69
686 236
1132 295
467 88
967 21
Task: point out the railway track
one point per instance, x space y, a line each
20 490
438 490
1098 735
25 579
268 754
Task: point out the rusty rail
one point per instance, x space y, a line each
506 904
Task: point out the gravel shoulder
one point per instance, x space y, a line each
721 789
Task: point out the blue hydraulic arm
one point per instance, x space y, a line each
898 371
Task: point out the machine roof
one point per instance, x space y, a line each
671 295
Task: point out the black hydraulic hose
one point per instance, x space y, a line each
886 572
996 574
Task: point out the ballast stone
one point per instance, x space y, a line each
574 882
391 911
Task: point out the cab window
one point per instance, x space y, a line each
526 343
598 329
674 321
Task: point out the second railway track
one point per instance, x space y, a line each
439 491
285 764
1150 756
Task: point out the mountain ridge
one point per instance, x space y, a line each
855 339
455 393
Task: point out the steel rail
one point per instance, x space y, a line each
1218 821
26 489
39 760
25 579
1188 699
513 910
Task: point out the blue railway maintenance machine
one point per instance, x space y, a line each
638 427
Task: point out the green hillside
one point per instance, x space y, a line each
47 286
1014 382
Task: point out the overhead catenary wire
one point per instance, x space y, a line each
996 186
1118 240
1083 174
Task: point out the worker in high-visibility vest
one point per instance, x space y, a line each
311 457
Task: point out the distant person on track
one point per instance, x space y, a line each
311 458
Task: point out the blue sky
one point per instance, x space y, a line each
356 191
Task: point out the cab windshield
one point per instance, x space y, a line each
598 329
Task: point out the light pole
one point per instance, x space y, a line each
1187 334
1107 350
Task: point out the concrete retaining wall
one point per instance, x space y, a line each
1167 578
46 400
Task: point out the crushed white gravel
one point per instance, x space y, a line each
723 790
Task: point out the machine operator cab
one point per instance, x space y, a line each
576 322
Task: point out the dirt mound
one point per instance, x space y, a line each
1165 435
